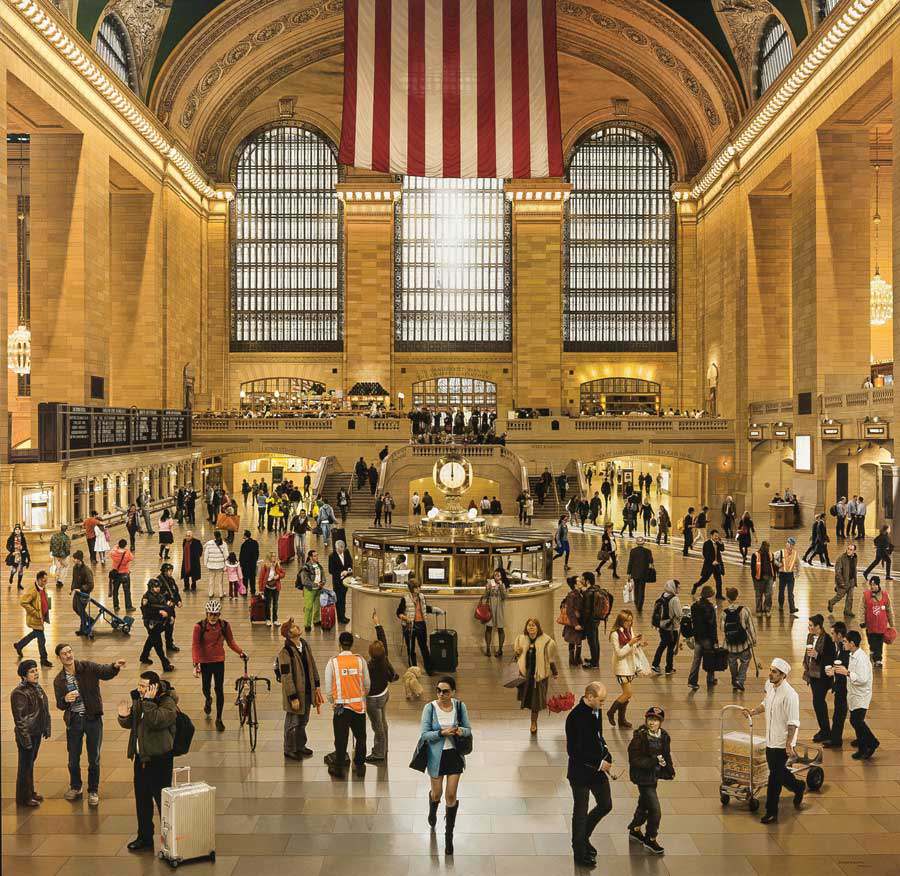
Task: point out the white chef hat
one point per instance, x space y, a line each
781 665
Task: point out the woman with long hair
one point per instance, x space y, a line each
164 528
536 655
17 557
762 569
745 534
624 641
445 724
495 595
381 674
571 608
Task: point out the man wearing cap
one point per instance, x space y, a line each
589 764
786 561
82 585
299 677
782 709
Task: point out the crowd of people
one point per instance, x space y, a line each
454 426
716 619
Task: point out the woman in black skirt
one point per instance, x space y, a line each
444 731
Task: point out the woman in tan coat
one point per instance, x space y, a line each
536 655
624 642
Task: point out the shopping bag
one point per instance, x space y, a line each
641 663
511 675
242 589
890 636
628 591
561 702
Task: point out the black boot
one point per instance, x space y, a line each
432 810
450 823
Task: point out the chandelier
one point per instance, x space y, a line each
18 344
881 293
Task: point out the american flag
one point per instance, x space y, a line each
451 88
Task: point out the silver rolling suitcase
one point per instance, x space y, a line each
188 820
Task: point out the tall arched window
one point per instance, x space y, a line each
114 48
774 53
286 266
446 393
452 269
620 243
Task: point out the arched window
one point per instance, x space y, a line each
281 393
619 395
446 393
825 7
452 269
114 49
286 266
774 53
620 243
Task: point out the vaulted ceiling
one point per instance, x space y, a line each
213 70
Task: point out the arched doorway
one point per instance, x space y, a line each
620 395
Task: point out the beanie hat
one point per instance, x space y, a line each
286 628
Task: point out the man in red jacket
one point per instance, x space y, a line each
208 655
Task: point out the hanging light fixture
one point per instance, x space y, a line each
18 344
881 293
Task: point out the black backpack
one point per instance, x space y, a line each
833 510
735 634
661 610
687 626
184 734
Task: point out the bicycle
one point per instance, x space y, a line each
246 701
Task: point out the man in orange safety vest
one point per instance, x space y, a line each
346 685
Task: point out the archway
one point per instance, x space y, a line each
450 392
620 395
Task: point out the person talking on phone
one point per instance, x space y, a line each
588 773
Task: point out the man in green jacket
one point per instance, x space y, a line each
60 548
151 718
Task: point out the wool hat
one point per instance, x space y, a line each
655 712
781 665
286 628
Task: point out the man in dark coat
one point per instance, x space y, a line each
362 471
373 478
640 566
713 567
191 553
589 764
248 559
340 566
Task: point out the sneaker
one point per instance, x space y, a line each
18 651
671 671
93 798
656 670
635 834
268 623
694 686
73 794
219 725
49 663
146 661
653 846
173 649
798 797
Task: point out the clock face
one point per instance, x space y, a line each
452 475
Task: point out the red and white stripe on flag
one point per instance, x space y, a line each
452 88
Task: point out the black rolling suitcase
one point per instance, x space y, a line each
444 648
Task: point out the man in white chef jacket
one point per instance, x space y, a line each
782 709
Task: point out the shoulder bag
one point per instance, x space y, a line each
419 761
483 611
463 744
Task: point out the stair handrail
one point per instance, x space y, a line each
318 484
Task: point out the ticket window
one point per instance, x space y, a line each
37 509
471 570
436 572
77 502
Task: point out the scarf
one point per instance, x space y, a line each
624 636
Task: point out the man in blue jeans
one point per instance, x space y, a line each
77 691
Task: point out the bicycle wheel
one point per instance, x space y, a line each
252 722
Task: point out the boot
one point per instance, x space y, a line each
622 721
501 638
611 714
450 823
432 810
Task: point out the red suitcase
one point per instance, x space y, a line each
328 616
257 609
285 548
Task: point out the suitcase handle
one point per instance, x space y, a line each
176 771
439 612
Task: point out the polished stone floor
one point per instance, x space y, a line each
277 816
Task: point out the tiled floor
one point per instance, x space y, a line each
277 816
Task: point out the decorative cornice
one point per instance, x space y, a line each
797 75
70 47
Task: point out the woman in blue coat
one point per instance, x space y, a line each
445 723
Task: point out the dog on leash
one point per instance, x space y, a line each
410 678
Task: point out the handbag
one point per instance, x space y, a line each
715 660
483 612
419 760
463 744
511 676
651 575
890 636
562 618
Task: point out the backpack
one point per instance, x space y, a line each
184 734
661 610
735 634
601 604
833 510
687 626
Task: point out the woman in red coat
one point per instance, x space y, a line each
879 618
269 584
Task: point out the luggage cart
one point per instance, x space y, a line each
745 773
122 624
